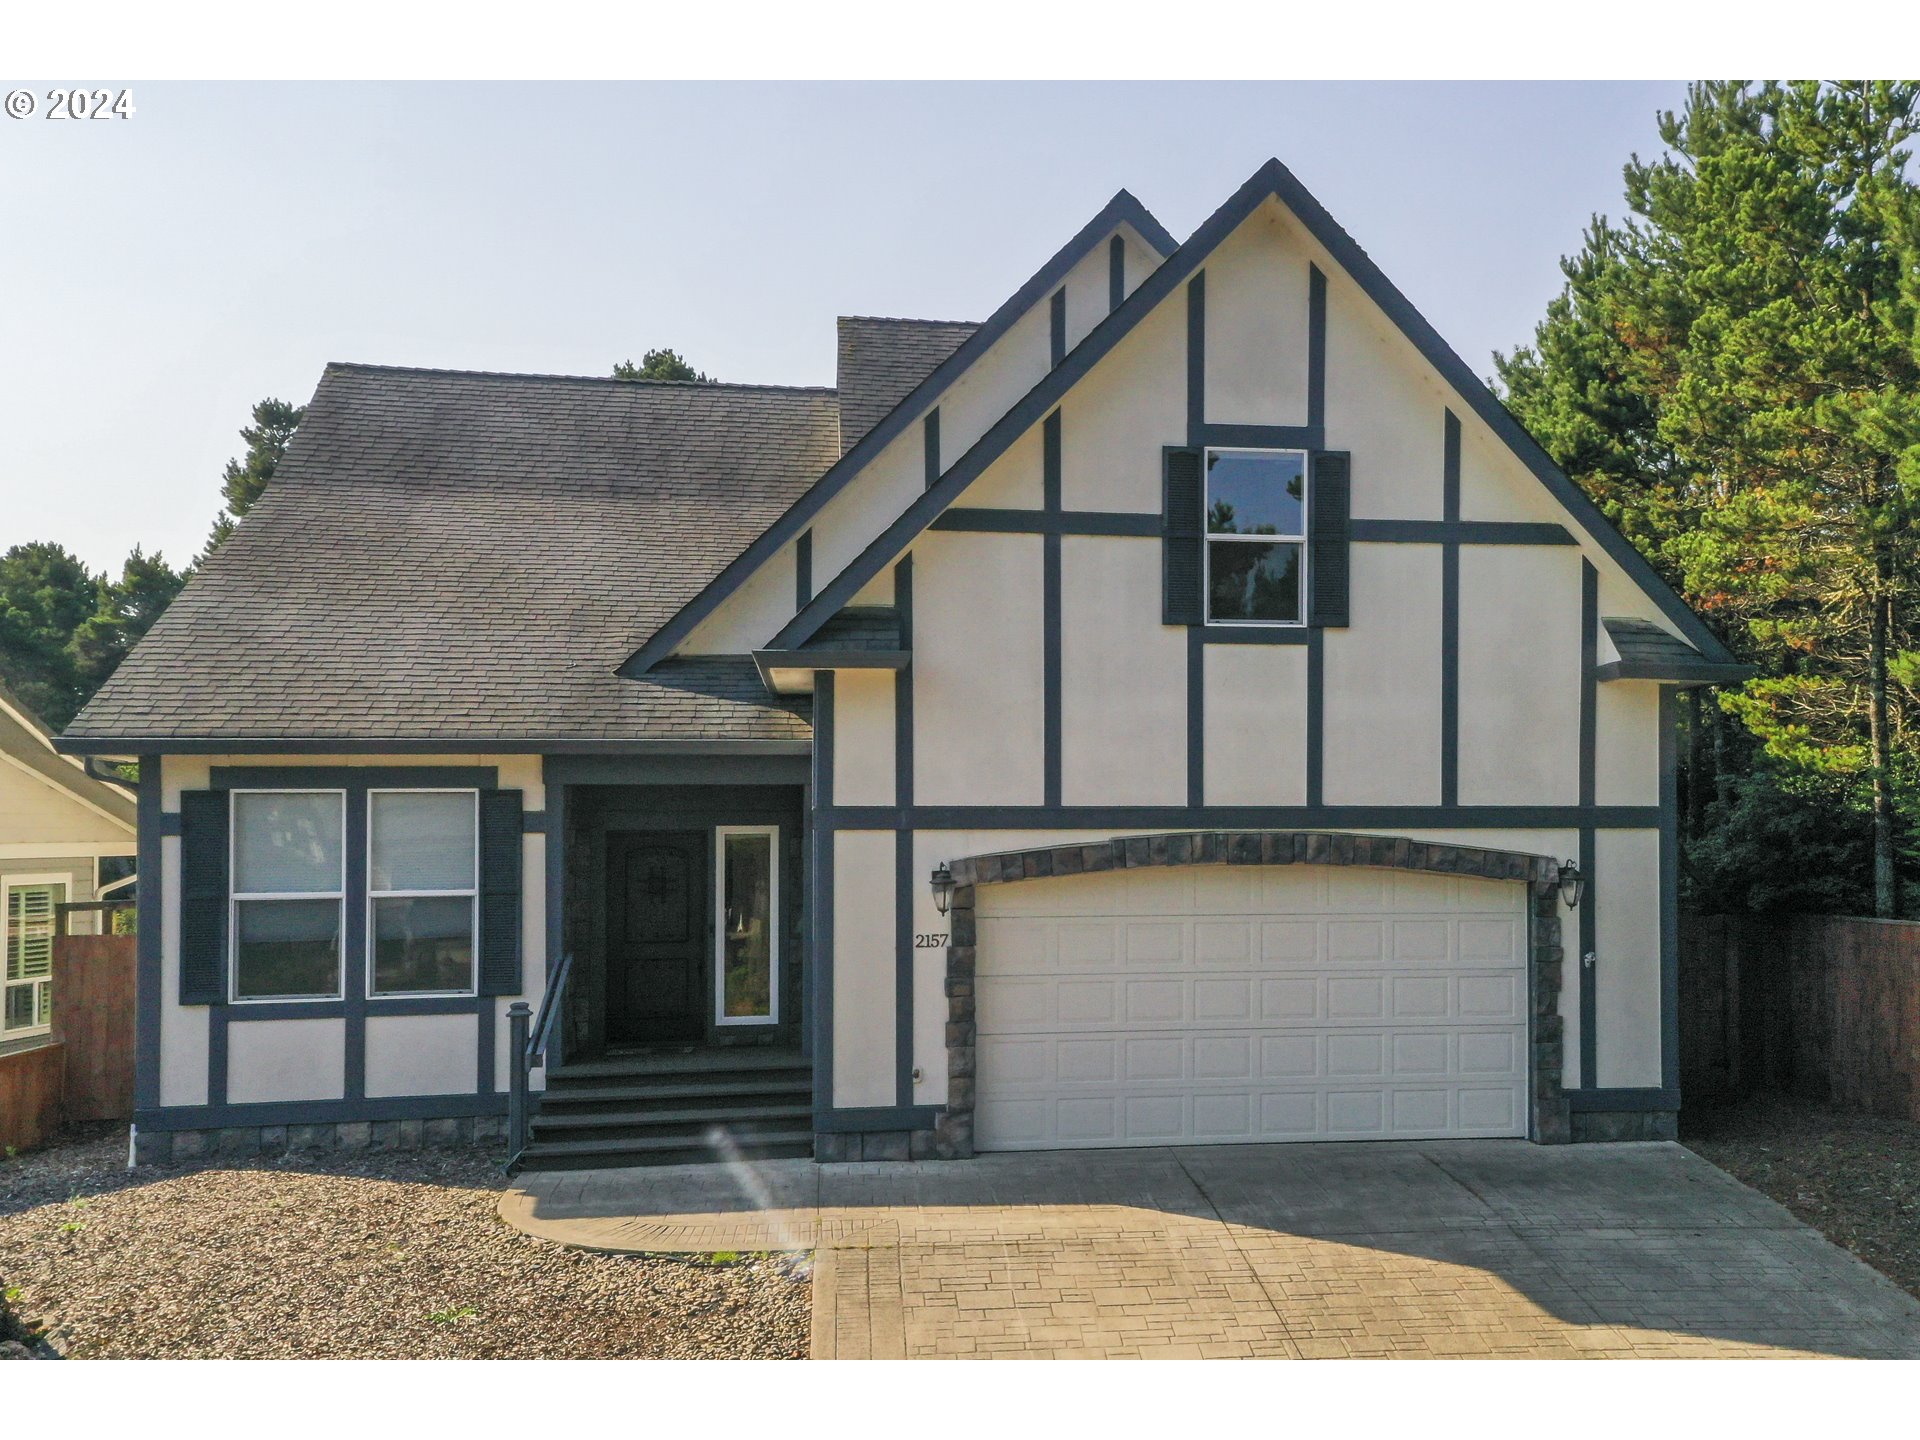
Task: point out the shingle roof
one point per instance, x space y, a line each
881 360
452 555
1648 652
859 627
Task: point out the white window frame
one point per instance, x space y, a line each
472 893
235 896
1207 538
720 836
27 882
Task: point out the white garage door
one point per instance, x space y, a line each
1221 1004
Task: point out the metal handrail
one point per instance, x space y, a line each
549 1012
528 1044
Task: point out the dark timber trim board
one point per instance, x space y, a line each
1116 273
1316 717
1196 357
1048 522
1670 891
1123 209
1461 532
930 446
149 923
1057 326
1272 179
554 780
1589 843
1238 817
1050 488
821 930
1316 349
1196 717
1196 634
1260 437
1450 612
803 569
859 1120
903 845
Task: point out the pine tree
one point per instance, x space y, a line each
660 365
245 481
1734 373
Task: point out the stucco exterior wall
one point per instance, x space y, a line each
980 682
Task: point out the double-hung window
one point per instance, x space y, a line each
31 909
1256 528
289 893
423 859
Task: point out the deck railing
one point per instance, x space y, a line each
527 1040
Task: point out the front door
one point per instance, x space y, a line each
656 937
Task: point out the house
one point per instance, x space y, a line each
1183 707
66 837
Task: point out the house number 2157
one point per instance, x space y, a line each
929 942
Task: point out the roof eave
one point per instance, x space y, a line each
1682 673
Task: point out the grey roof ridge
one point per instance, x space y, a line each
1121 209
1271 179
369 365
915 320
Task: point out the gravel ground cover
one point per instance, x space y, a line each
1854 1178
397 1255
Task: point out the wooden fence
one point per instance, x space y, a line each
83 1071
93 1013
30 1087
1822 1006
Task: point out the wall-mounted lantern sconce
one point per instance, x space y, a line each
942 882
1572 884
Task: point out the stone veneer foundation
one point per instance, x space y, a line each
164 1147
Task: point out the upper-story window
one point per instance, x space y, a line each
289 893
423 858
1256 537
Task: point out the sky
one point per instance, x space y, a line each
160 274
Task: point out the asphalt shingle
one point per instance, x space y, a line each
463 556
881 360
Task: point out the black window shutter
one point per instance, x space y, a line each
1181 539
500 852
203 897
1329 537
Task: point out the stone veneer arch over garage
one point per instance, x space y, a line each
1548 1121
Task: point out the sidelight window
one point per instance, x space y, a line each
746 923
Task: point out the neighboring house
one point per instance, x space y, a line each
65 838
1246 666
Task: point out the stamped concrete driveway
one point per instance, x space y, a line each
1476 1248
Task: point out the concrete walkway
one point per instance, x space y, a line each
1479 1248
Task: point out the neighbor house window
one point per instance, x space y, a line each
423 857
1256 536
288 893
32 913
747 948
